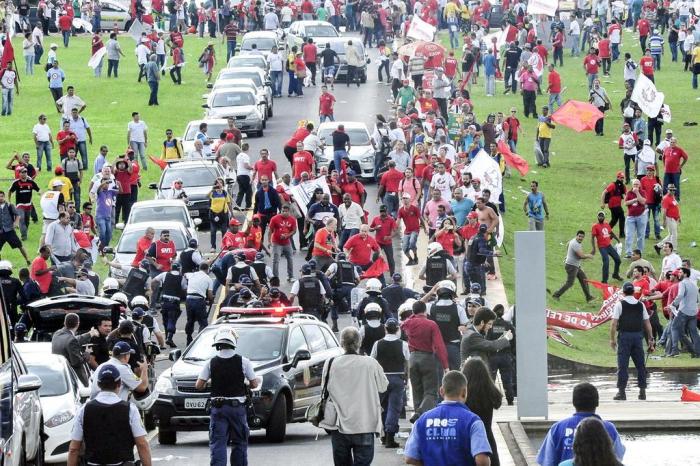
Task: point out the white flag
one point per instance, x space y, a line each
304 192
666 113
484 167
647 97
420 30
97 58
542 7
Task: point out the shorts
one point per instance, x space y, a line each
11 238
329 71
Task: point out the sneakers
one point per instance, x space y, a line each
642 394
617 277
390 442
621 396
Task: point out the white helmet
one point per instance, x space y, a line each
447 285
434 248
120 298
5 265
373 285
407 305
110 284
373 307
139 301
226 336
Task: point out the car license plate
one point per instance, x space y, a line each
195 403
194 213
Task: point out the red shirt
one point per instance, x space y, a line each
361 249
165 253
591 63
68 143
636 209
325 104
299 135
604 48
648 187
390 180
541 50
672 159
325 239
662 287
424 335
411 218
44 281
265 168
307 7
450 67
233 240
514 125
65 23
601 232
468 231
282 228
646 63
447 240
355 190
384 227
254 237
124 179
135 169
558 40
554 81
309 52
614 200
643 27
302 161
142 246
670 206
419 164
428 105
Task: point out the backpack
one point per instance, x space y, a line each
385 142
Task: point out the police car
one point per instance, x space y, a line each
288 350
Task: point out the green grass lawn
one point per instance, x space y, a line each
582 165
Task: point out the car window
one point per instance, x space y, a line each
53 379
212 128
321 31
262 43
193 176
358 136
233 99
254 343
330 339
160 213
317 341
296 342
128 240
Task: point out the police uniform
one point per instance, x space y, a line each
171 288
136 282
630 314
11 290
371 332
502 360
228 372
436 269
344 277
263 271
310 293
392 354
448 315
395 295
198 287
373 298
477 253
238 270
128 379
190 259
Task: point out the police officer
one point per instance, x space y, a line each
630 321
396 294
228 373
392 353
477 253
148 319
372 330
199 293
126 333
326 283
122 351
310 292
137 279
172 285
374 295
450 317
110 287
190 258
108 426
10 289
343 277
437 268
262 270
20 333
502 360
142 334
239 269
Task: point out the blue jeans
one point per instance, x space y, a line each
629 344
591 77
8 99
409 242
196 309
322 118
552 99
615 51
230 49
139 149
82 150
153 96
41 149
337 157
391 201
575 44
276 83
674 50
657 60
605 255
635 226
674 179
392 402
66 37
694 80
454 39
104 229
341 300
653 211
681 325
352 449
228 423
292 87
345 235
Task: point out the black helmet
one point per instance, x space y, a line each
193 242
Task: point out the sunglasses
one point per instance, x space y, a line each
178 182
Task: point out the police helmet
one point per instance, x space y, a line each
306 269
175 266
259 256
145 264
139 301
446 287
110 284
120 298
245 280
193 242
6 265
475 288
257 304
434 248
406 306
341 256
373 308
275 292
226 336
373 285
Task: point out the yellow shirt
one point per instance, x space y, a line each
466 14
66 189
173 151
219 202
450 10
544 131
696 55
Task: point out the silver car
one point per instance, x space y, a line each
259 78
215 127
162 210
263 40
300 31
253 61
361 149
239 103
244 83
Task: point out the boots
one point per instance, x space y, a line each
169 340
390 442
642 394
335 325
621 396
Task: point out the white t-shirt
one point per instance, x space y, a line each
137 131
444 182
142 52
276 62
271 21
8 79
199 283
286 14
574 28
242 164
160 47
69 103
42 132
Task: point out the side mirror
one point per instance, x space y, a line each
119 226
197 222
205 105
108 250
28 383
153 186
83 393
174 355
268 83
301 355
230 181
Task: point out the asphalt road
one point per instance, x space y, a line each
304 445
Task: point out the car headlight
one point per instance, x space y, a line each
165 385
59 418
367 159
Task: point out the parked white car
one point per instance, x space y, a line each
361 150
263 40
241 104
162 210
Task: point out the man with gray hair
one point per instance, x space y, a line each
153 78
354 383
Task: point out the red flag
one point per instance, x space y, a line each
555 335
579 116
607 290
8 54
161 163
378 268
689 395
513 160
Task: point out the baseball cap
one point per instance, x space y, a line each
138 312
246 280
472 215
122 347
483 227
57 183
651 168
669 131
274 292
109 373
476 180
627 288
245 294
396 277
677 273
229 137
392 325
647 142
601 213
234 221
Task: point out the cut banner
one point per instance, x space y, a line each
96 58
512 159
420 30
647 97
542 7
304 192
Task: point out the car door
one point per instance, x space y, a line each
299 376
319 354
28 406
112 15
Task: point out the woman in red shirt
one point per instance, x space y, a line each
447 237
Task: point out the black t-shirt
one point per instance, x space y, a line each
513 57
340 140
23 190
328 56
23 9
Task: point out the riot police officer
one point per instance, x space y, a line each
262 270
10 289
343 277
228 373
172 286
502 360
396 294
148 319
326 283
110 287
437 268
478 251
374 295
240 268
136 282
450 317
190 258
199 293
372 330
310 292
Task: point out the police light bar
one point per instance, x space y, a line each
261 311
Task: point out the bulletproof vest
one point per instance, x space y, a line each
237 272
345 273
135 283
259 268
148 322
227 378
473 254
10 288
390 355
172 285
447 319
187 265
107 433
435 270
371 336
138 335
309 293
631 318
394 295
500 326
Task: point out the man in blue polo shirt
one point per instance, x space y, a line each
449 433
558 445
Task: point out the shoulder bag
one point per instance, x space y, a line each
322 413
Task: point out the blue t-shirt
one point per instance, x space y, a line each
490 64
558 445
56 77
535 208
448 434
461 209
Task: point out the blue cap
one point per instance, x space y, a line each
240 256
138 312
144 264
246 280
109 373
20 327
306 268
627 288
313 264
274 292
475 288
396 277
122 347
259 256
245 293
392 325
